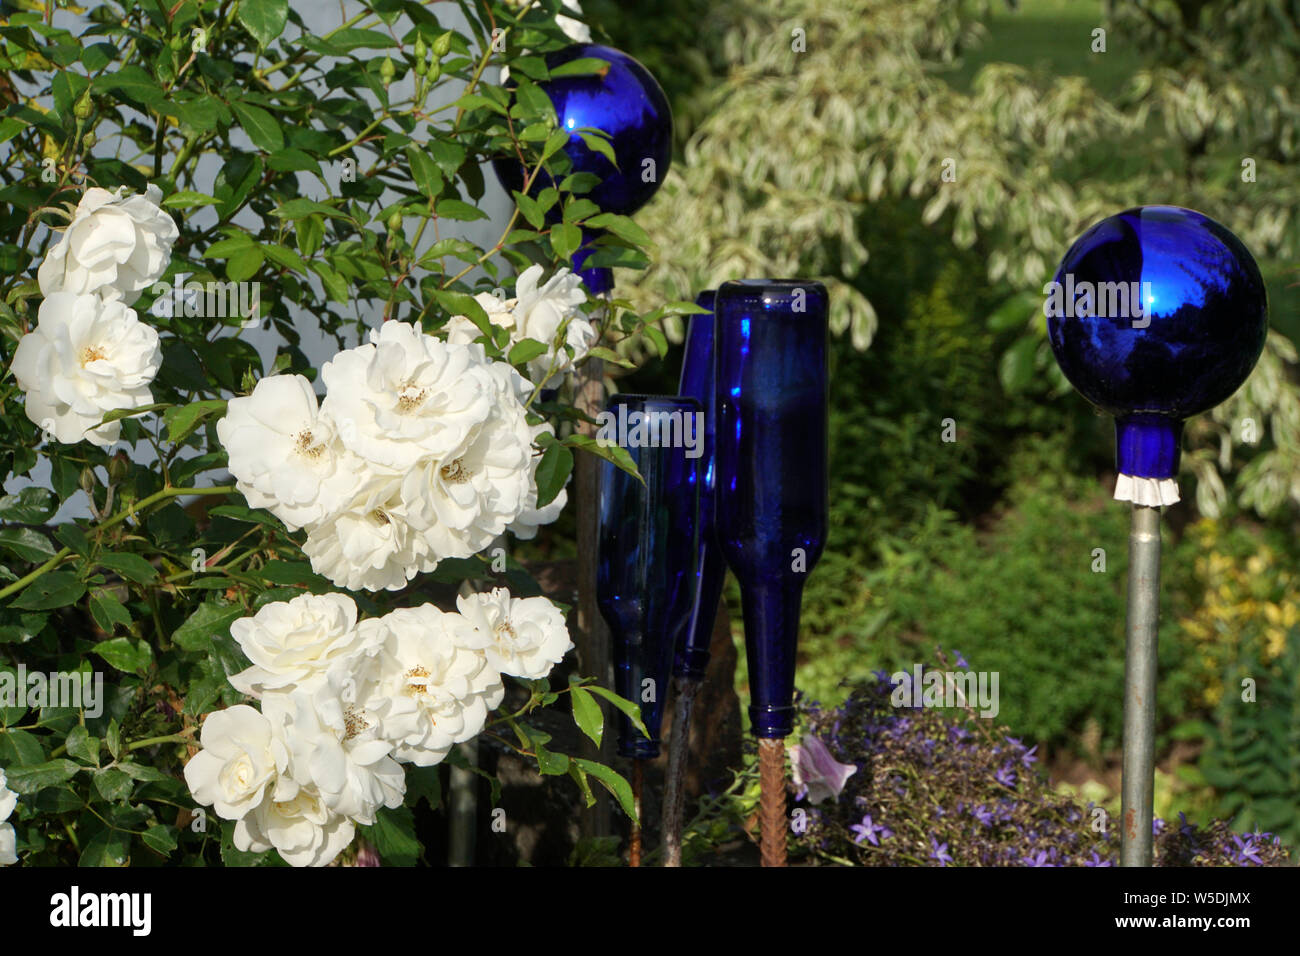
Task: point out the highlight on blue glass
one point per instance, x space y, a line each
647 549
1156 314
692 657
771 385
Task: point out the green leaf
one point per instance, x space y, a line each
161 838
28 544
113 784
553 472
108 847
209 621
26 780
243 265
188 199
264 19
124 654
117 414
632 710
460 210
525 350
51 590
181 420
621 226
130 566
586 712
82 746
302 208
609 355
613 781
108 611
565 239
393 835
549 763
598 141
615 454
582 66
427 176
32 505
261 127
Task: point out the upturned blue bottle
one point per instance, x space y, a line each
647 550
771 383
692 659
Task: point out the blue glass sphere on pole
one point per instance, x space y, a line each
625 102
1156 314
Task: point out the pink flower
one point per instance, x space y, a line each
817 774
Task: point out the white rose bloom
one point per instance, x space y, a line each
8 839
524 637
117 245
500 311
293 643
239 764
549 314
369 545
86 356
286 455
295 822
406 396
335 746
460 503
431 686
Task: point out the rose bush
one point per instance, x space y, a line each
237 538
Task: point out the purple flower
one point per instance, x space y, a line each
983 814
1006 776
867 830
1246 850
816 772
1096 861
961 661
1037 859
1028 757
939 851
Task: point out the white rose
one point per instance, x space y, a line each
406 396
293 643
335 746
117 245
525 637
500 312
8 839
295 822
460 503
86 356
549 314
239 764
432 686
369 544
285 454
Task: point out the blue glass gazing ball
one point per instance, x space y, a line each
1156 314
625 102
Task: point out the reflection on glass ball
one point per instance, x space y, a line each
1157 310
624 101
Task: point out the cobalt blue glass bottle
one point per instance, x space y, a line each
692 659
647 539
1156 314
625 102
771 486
